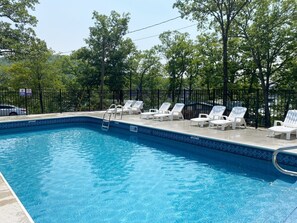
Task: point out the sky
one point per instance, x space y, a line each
64 24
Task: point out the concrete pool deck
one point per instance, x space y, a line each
249 136
12 211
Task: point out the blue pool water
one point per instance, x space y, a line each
81 174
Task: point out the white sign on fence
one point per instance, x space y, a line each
25 92
29 92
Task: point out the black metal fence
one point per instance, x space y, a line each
196 101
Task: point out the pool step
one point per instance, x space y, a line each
105 125
106 120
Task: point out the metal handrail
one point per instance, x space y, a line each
277 166
108 112
122 110
112 110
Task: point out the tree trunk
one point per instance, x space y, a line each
252 81
265 90
40 98
180 87
266 107
141 85
102 73
225 68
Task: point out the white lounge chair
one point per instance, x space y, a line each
235 118
215 113
136 108
175 113
150 114
287 127
118 108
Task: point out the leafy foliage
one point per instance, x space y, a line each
220 14
177 49
107 49
241 44
269 36
15 26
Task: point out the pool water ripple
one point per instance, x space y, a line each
80 174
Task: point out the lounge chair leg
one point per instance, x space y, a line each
288 135
233 126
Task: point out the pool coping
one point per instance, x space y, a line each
11 208
116 121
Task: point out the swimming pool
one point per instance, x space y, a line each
78 173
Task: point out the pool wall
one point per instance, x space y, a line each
215 144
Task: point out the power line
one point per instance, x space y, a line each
147 27
187 27
148 37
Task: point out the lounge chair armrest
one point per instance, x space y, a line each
277 122
153 110
223 117
202 115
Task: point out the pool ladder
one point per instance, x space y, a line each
277 166
111 111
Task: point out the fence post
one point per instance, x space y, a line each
89 94
196 96
113 97
26 102
158 98
257 109
121 96
60 101
130 93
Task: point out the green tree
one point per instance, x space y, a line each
15 26
288 78
4 77
104 41
148 70
177 49
81 69
209 61
118 67
270 32
36 71
220 14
